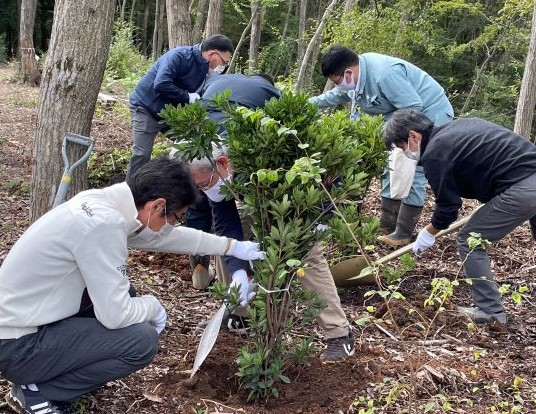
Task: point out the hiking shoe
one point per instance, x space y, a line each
338 349
202 276
24 401
234 323
477 315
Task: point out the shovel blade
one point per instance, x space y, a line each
208 339
346 273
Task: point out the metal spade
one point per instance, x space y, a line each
348 272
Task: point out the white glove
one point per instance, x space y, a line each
425 239
241 280
159 321
245 250
193 97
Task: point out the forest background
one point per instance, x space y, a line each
475 49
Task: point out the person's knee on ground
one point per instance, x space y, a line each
408 217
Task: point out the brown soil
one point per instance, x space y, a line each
407 355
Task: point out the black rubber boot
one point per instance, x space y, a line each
408 216
389 212
532 225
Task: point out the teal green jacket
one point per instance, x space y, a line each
386 84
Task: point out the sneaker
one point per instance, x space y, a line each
338 349
202 277
477 315
24 401
234 323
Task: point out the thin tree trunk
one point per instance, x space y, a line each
123 9
313 43
255 38
277 62
158 33
131 18
178 20
214 17
199 21
239 44
527 94
29 70
301 28
144 30
73 72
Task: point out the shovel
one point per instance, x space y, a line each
67 176
348 272
208 339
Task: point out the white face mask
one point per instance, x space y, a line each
413 155
219 69
347 86
213 193
147 234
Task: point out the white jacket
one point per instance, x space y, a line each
80 244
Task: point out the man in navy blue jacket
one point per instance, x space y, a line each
175 78
474 159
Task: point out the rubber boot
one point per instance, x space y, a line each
202 275
408 216
389 212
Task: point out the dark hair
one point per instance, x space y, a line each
337 59
401 122
163 178
217 42
266 77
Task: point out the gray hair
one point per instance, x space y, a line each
401 122
206 163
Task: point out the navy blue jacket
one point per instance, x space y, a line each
251 92
474 159
176 73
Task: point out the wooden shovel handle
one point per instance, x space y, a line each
405 249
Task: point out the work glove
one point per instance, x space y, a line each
246 250
242 281
159 321
193 97
425 239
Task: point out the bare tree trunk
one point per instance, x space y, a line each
301 28
527 94
29 70
144 30
239 44
79 45
199 21
178 20
255 38
158 33
349 5
214 17
276 64
123 9
313 43
131 18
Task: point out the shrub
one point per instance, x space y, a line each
291 167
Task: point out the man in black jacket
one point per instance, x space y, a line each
475 159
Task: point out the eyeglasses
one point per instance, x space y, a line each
225 62
179 221
207 186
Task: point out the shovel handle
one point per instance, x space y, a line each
406 249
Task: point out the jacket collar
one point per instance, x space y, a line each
121 196
362 75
